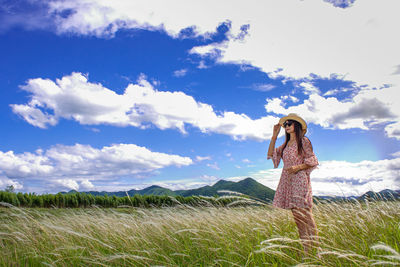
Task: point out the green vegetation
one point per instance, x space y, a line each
148 197
83 200
351 234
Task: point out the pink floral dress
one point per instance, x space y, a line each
294 190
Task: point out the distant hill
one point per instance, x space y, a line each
151 190
386 194
248 186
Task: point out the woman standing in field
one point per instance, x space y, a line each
294 188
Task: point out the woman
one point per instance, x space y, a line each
294 188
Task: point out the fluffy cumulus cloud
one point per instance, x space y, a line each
86 185
74 97
369 108
5 181
342 178
75 167
104 18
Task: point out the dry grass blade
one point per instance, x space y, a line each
386 248
69 231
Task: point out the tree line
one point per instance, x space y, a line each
83 200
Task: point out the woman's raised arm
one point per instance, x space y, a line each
277 128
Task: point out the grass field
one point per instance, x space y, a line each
363 234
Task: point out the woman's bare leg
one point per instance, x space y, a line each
301 222
312 228
307 228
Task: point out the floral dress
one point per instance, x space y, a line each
294 190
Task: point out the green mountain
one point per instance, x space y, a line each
386 194
248 186
155 190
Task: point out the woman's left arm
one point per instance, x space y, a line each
297 168
310 160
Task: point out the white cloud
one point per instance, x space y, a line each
74 167
309 88
74 97
86 185
4 182
393 130
246 160
213 166
24 165
263 87
202 65
94 130
180 73
291 98
185 184
338 90
34 116
367 109
200 158
181 184
103 18
68 184
397 70
396 154
344 178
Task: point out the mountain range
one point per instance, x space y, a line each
386 194
247 186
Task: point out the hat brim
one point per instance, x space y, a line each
294 118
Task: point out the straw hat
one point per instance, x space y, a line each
294 117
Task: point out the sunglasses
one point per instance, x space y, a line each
288 123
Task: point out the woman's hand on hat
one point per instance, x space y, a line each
277 129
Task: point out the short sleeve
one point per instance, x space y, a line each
309 157
276 156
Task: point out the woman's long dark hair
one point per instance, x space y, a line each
299 138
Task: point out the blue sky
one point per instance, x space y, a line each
101 95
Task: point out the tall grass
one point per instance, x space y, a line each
351 234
